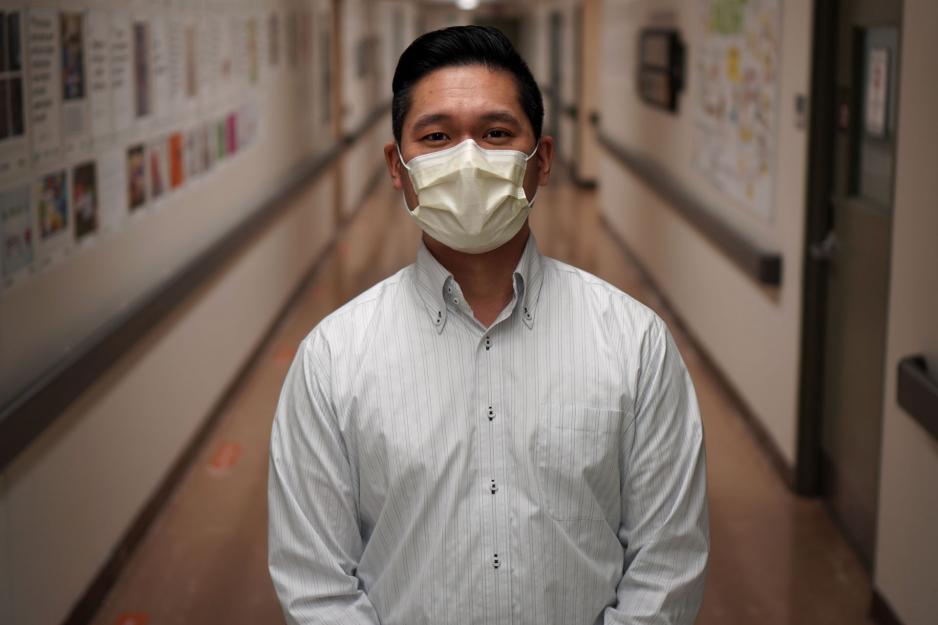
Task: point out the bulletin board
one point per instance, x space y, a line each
133 136
736 71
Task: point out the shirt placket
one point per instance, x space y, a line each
497 509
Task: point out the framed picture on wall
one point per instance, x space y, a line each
660 67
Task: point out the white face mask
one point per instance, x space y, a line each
469 198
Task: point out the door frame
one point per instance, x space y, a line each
820 177
818 221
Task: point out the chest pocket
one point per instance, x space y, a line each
577 451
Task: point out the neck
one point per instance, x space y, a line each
485 279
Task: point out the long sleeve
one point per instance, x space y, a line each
314 542
664 527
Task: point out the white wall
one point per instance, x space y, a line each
907 533
752 332
67 500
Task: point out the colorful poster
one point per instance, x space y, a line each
136 177
97 31
74 86
44 89
85 199
73 64
16 225
158 163
121 66
141 45
735 104
176 160
53 205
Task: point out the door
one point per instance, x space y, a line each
853 254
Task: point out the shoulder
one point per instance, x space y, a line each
347 326
593 296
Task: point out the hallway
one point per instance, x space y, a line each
775 558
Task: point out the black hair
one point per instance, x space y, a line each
456 46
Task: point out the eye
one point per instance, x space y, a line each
435 137
497 133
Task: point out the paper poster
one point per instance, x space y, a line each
143 104
247 124
74 85
206 146
208 63
52 207
221 139
97 31
190 57
44 87
121 68
174 63
195 160
136 177
735 105
877 92
231 133
85 199
14 154
273 39
159 71
177 165
158 164
16 224
112 182
250 42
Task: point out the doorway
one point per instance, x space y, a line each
850 195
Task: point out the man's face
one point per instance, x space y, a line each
453 104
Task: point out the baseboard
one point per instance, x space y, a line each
881 612
761 435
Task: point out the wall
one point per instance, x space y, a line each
907 533
67 500
751 332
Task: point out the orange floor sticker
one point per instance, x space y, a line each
224 458
132 618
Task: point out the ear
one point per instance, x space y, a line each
394 165
545 158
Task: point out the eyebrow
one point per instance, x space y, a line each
430 119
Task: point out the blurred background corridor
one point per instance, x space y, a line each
188 186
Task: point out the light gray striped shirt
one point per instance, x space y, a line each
547 470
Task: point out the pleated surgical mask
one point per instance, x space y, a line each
469 198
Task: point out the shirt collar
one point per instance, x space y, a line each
433 280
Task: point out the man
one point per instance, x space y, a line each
488 436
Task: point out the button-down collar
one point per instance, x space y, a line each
434 282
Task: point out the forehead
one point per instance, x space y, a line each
465 91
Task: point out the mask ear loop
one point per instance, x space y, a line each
537 188
401 156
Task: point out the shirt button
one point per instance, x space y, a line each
488 343
493 488
491 414
495 562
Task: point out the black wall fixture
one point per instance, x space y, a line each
660 72
917 393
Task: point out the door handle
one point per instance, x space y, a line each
825 249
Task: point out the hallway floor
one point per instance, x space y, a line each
775 558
